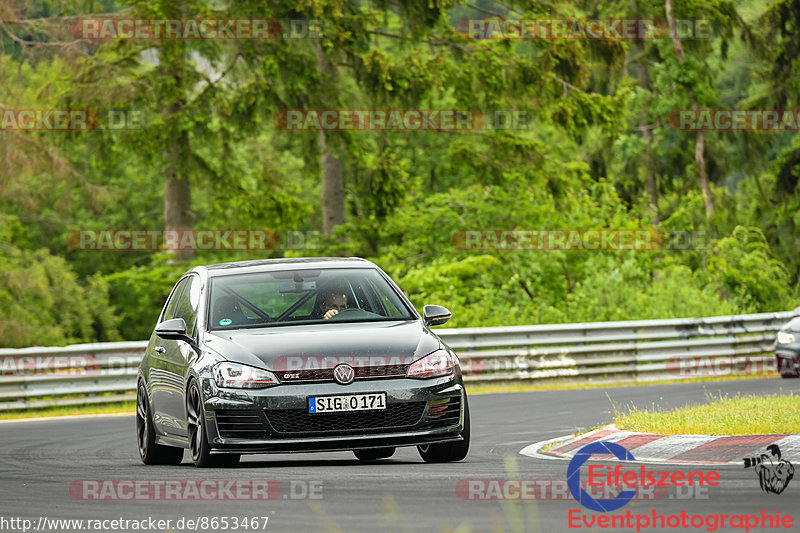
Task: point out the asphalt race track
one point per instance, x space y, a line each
41 460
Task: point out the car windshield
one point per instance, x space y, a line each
303 297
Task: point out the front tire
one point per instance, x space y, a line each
150 452
787 366
198 442
373 454
448 451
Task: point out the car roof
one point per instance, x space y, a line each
271 265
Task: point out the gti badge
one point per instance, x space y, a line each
344 374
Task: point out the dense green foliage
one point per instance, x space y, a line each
598 134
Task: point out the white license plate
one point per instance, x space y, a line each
347 402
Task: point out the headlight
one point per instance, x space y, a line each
236 376
785 337
439 363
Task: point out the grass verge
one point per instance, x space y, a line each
722 415
118 407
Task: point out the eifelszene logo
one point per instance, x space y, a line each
574 477
774 473
632 475
631 479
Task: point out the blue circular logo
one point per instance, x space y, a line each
574 476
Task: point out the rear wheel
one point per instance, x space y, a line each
373 454
150 452
196 422
448 451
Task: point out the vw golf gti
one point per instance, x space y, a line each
297 355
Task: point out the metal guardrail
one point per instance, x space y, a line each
590 353
71 375
631 351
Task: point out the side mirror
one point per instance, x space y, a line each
173 330
435 315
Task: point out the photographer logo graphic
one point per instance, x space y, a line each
774 473
574 477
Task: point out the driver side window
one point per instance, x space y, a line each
169 311
188 303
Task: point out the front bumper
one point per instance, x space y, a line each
275 420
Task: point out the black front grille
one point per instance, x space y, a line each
395 417
240 424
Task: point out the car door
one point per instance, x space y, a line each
158 362
169 409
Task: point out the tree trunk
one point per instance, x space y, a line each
702 177
700 140
178 194
332 186
651 178
177 152
177 188
673 31
331 165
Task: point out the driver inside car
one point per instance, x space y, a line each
333 303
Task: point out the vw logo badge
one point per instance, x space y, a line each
344 374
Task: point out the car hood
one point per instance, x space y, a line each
271 346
